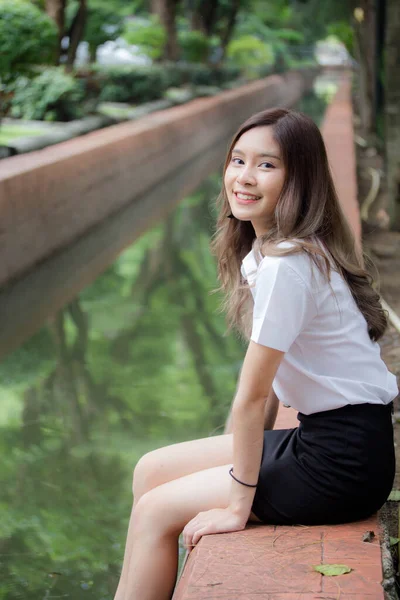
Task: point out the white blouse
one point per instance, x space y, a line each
329 360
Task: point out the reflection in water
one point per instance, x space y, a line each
137 361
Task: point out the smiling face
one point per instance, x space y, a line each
254 178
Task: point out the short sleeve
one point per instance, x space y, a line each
283 305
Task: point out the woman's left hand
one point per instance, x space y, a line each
217 520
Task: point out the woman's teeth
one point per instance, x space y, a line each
246 196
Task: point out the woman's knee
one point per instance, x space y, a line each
146 474
152 517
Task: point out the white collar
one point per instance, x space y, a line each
249 267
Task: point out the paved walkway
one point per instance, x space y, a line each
276 562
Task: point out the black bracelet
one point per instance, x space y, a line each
238 480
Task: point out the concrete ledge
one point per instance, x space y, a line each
51 197
26 304
59 133
276 562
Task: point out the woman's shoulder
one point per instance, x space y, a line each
298 260
302 264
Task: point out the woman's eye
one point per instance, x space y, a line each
268 165
234 159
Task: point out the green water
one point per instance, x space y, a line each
136 361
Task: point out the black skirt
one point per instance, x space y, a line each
336 466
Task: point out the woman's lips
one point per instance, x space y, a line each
247 201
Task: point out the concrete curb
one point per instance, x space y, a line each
51 197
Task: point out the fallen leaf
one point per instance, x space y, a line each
393 541
368 536
332 570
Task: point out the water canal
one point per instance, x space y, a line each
135 361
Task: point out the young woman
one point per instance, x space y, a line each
297 290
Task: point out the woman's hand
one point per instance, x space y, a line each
217 520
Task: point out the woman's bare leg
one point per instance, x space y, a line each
166 464
158 519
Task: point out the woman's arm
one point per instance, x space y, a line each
270 413
248 413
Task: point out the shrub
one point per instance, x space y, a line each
132 84
250 53
148 34
27 37
176 73
51 96
143 84
225 74
195 46
197 74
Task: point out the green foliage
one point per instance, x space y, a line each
144 84
343 31
148 34
313 17
250 53
104 22
196 73
27 37
195 46
51 96
276 14
326 90
200 74
273 32
132 84
29 362
88 411
290 35
224 74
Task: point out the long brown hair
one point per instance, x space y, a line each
308 213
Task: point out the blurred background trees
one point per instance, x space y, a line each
112 51
21 46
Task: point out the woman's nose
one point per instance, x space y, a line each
246 176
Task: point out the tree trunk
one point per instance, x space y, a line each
227 34
204 16
76 32
371 35
392 109
56 11
365 45
166 11
380 62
